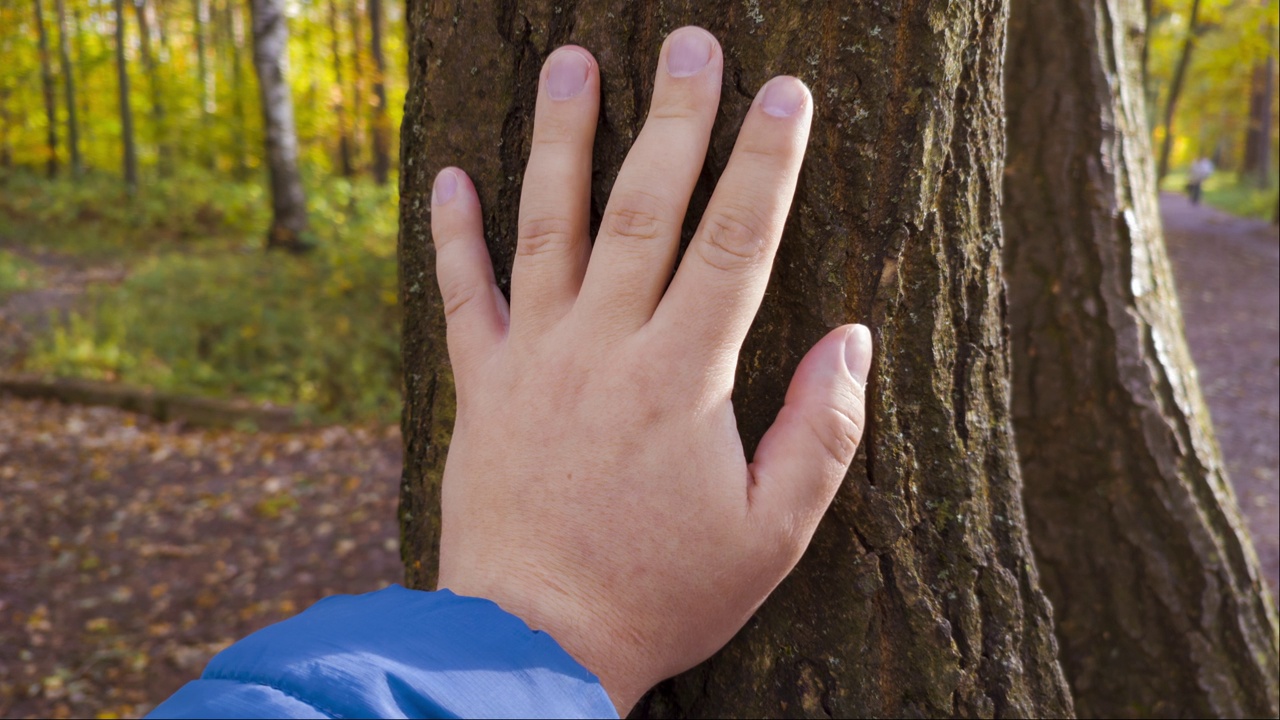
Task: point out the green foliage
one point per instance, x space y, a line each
215 314
1228 192
16 274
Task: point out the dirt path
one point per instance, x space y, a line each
1228 276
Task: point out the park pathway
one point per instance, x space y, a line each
1227 271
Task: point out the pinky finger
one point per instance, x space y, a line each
475 310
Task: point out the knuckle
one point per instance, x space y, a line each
543 234
638 219
458 295
838 432
733 239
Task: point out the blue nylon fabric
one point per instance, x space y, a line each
393 653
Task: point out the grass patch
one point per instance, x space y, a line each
16 274
1227 192
206 311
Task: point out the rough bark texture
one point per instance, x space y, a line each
1160 604
69 90
918 596
50 101
381 123
1257 141
270 55
128 146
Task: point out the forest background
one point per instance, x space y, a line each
140 252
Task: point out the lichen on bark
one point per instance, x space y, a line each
919 595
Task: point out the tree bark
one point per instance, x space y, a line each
69 91
918 596
340 89
381 123
1175 89
50 101
1257 143
128 146
1161 606
270 54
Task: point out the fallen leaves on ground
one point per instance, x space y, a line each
134 550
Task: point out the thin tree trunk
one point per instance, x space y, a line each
1175 89
6 126
1257 144
270 57
50 95
128 147
200 21
235 25
1160 604
357 83
918 596
69 89
81 59
339 107
381 123
159 132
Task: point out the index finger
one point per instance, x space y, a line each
722 277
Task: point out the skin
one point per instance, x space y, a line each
596 484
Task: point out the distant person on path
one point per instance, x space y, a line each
1200 171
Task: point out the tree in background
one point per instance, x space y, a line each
288 202
69 91
128 145
50 101
1159 600
1257 146
1175 89
381 123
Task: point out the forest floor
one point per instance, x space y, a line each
134 550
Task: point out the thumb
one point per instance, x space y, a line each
805 454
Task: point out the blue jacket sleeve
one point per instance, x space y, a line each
393 653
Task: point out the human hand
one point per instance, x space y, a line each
596 485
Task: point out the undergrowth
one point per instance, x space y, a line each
205 310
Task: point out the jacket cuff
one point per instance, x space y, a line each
395 653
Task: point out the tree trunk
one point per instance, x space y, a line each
128 147
1257 144
235 30
159 133
69 89
381 123
82 63
270 55
357 83
1175 89
1161 607
918 596
200 22
339 106
50 95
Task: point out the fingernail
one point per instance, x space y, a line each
446 185
857 353
690 52
566 74
783 96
